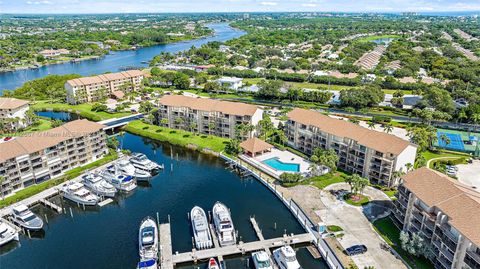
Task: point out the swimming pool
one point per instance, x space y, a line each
276 164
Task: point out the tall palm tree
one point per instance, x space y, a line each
445 139
371 125
388 128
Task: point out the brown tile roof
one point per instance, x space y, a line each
105 77
205 104
379 141
255 145
459 202
34 142
11 103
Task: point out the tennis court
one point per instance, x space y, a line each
459 140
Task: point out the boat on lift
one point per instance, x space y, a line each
25 218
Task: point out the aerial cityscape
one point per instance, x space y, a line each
240 134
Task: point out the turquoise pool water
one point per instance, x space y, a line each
276 164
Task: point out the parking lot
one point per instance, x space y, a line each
469 174
358 228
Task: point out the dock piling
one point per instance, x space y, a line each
71 213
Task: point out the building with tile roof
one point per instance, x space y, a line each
13 113
371 154
207 116
89 89
444 212
39 156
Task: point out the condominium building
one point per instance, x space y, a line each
371 154
445 213
89 89
32 159
207 116
13 113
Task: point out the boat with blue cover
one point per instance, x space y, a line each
120 181
147 264
148 239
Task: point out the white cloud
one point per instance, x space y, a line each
268 3
309 5
45 2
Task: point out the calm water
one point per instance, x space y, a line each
113 62
107 237
63 116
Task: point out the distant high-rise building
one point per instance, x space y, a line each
246 16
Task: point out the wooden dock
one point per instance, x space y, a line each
166 261
51 205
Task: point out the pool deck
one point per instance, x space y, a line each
283 156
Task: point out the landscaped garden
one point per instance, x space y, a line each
391 234
356 199
84 110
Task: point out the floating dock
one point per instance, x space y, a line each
168 259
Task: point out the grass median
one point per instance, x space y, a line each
176 137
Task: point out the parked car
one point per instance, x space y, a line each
356 249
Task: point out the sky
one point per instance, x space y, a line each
177 6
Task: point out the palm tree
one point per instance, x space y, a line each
445 139
313 168
409 167
192 126
121 134
395 177
388 128
476 118
164 121
371 125
179 121
211 125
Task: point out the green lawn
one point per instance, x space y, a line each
85 110
321 182
71 174
176 137
391 234
374 37
43 124
334 228
356 199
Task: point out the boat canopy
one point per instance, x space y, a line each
147 263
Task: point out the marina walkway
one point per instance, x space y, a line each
165 247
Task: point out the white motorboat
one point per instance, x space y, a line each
212 264
120 181
140 161
127 168
76 192
262 260
99 185
26 219
147 264
7 233
285 258
223 225
148 239
201 232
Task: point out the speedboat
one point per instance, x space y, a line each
203 238
121 182
147 264
76 192
7 233
261 260
148 239
223 225
26 219
128 169
140 161
285 258
99 185
212 264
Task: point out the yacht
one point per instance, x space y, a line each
76 192
140 161
223 225
147 264
261 260
7 233
121 182
212 264
25 218
99 185
285 258
148 239
201 232
128 169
